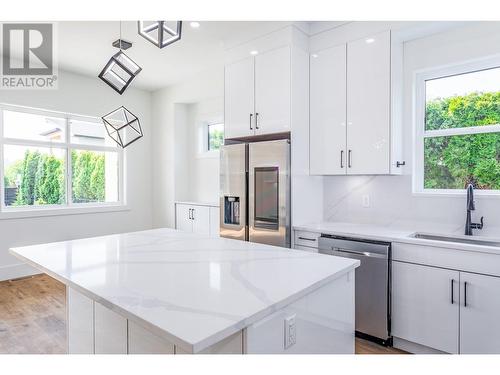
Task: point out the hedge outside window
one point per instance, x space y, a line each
460 139
39 148
215 136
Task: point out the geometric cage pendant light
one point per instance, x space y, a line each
122 126
120 70
160 33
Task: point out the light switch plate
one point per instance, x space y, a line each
290 331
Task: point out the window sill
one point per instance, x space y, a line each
456 194
25 213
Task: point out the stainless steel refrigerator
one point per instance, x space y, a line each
255 192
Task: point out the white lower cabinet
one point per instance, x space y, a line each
80 323
197 219
422 307
142 341
479 314
448 310
110 331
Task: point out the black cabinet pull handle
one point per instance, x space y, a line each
256 120
452 299
251 115
341 158
192 214
189 214
307 239
349 159
465 294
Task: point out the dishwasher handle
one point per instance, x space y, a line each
335 250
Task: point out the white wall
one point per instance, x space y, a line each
202 88
391 197
196 170
203 173
92 97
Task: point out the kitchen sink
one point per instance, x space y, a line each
456 239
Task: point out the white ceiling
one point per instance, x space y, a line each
85 47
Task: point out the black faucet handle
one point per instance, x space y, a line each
478 225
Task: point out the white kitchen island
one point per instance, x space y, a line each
165 291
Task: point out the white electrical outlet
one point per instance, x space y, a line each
290 331
366 200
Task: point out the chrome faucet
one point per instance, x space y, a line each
469 225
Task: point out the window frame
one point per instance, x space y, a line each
69 207
420 133
207 135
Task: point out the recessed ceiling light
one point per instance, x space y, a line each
254 52
194 24
369 40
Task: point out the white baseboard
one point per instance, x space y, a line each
412 347
15 271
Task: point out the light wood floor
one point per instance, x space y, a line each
33 318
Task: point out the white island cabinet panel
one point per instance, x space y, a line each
479 314
142 341
80 323
110 331
324 323
425 305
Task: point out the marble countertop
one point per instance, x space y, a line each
190 289
403 233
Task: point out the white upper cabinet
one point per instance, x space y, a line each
272 91
258 94
369 104
239 99
354 120
328 111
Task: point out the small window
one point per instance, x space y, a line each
459 132
215 136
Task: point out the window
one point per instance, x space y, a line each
458 129
56 160
215 136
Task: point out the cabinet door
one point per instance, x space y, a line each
422 308
479 313
80 323
272 91
368 104
201 219
110 331
239 99
183 217
328 111
141 341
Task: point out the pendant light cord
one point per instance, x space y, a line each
120 36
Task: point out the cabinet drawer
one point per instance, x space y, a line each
305 248
309 239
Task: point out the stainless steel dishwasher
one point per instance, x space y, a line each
372 285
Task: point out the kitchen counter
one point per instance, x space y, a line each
189 289
195 203
402 233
